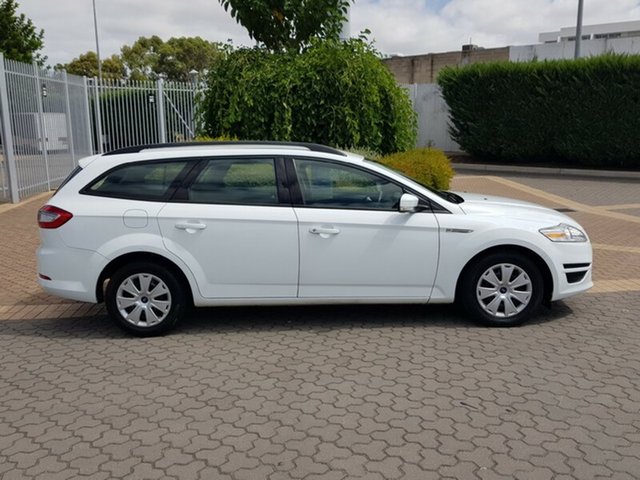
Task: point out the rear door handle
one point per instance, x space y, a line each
324 231
190 226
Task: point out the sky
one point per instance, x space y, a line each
405 27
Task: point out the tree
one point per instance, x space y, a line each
181 55
140 59
334 93
19 38
151 57
87 65
289 24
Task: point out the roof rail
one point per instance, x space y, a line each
314 147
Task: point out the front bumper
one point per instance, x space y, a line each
572 269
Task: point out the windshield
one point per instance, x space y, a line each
448 196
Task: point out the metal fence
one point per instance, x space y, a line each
141 112
49 120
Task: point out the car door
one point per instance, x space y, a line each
233 225
354 243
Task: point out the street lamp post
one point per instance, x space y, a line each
95 24
579 29
345 31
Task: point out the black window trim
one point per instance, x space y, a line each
177 182
73 173
296 192
283 200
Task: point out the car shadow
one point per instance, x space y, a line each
273 319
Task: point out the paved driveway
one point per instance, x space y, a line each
331 392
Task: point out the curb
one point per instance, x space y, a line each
568 172
5 207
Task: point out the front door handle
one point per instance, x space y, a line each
190 226
324 231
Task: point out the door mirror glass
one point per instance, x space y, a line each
408 203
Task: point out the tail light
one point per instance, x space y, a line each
52 217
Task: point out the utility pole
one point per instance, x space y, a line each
579 29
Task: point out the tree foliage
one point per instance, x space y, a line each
19 38
288 24
335 93
568 111
151 57
87 65
148 58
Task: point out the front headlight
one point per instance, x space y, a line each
564 233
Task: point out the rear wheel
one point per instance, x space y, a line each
145 299
502 290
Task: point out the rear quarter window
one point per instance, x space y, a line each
142 181
73 173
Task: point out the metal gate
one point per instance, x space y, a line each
50 120
141 112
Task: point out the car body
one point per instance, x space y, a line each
281 223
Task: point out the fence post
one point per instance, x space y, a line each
162 120
68 116
43 127
98 115
7 136
88 113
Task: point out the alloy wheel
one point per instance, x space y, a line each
143 300
504 290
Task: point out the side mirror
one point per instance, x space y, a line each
408 203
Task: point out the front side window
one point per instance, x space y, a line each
236 182
152 181
330 185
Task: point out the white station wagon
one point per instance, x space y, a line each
152 230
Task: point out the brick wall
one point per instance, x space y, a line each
425 68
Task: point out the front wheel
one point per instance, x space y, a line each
145 299
502 290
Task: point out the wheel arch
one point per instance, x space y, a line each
130 257
505 249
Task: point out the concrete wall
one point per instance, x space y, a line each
425 68
564 50
433 117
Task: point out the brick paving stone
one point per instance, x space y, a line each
343 392
592 191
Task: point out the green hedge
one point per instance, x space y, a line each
334 93
584 112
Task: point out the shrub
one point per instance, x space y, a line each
221 138
370 154
571 111
428 166
334 93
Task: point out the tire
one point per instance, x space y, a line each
492 301
145 299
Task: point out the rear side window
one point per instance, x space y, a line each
236 182
141 181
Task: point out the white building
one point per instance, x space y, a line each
593 32
621 37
